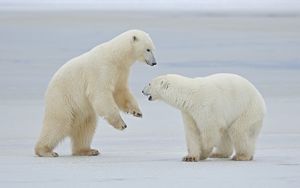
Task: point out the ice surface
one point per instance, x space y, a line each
148 153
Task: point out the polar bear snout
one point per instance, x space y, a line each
151 63
150 59
146 92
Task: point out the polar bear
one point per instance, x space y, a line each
94 83
221 111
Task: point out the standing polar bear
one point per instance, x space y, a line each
222 110
94 83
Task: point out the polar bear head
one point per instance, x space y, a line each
173 89
161 87
142 47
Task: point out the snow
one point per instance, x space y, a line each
148 153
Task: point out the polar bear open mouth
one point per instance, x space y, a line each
148 95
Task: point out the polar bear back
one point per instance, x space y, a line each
230 95
222 96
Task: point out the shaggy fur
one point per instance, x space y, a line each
94 83
224 111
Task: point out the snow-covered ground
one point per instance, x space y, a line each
148 153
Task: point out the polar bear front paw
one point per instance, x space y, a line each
120 126
117 123
189 158
133 109
135 112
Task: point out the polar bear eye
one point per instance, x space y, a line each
148 50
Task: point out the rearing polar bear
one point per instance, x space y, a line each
94 83
222 110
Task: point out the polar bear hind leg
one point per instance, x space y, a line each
52 133
225 148
82 135
244 132
209 137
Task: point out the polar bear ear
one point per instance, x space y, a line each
134 38
164 84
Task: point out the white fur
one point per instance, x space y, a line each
224 111
94 83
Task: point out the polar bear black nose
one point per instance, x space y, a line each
154 63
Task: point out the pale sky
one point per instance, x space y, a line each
285 5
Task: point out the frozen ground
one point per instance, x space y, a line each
148 152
